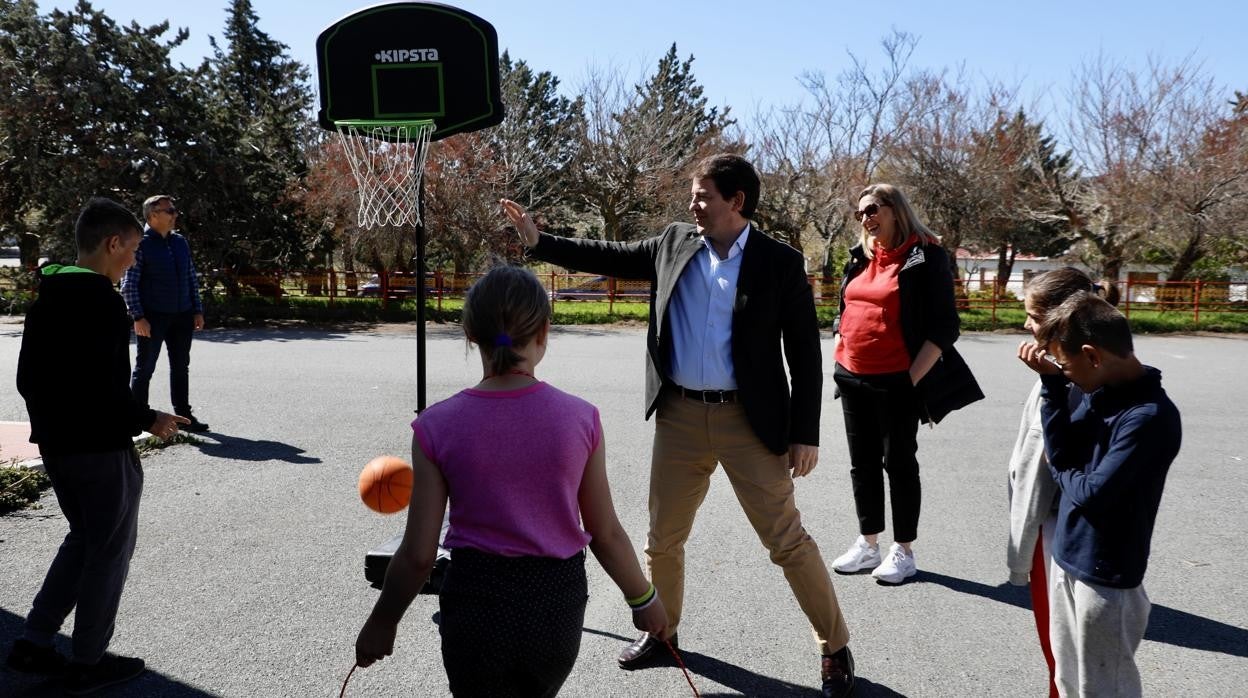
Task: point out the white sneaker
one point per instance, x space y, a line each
860 556
896 567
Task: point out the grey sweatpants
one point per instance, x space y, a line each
99 496
1095 631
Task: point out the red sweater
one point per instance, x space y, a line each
871 339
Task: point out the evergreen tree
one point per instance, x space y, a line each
1013 163
636 147
259 120
536 140
91 109
525 158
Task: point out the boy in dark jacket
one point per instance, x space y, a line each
74 373
1109 456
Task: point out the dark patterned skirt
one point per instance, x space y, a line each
511 626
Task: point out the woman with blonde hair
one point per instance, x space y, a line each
895 366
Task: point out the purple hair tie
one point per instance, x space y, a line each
502 340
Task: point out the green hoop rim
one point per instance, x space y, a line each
386 123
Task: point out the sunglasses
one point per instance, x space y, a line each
868 212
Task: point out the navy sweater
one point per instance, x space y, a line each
1109 456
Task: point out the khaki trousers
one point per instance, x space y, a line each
690 438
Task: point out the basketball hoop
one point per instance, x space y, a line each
387 159
394 77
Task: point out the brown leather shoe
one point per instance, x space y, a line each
647 650
838 674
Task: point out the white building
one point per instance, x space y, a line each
979 272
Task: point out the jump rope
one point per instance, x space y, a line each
670 648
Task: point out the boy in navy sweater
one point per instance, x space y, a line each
1109 456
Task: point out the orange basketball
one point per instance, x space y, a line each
386 484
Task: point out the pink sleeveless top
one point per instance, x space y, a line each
513 462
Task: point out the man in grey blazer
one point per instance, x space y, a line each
725 300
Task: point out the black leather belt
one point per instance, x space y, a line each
710 397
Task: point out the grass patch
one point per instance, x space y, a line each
15 302
152 443
598 312
20 487
257 310
320 310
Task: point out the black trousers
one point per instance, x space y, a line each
882 425
511 626
173 330
99 495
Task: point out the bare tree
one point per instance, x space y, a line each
636 143
934 158
1198 169
1010 163
1131 134
799 204
464 180
329 197
814 156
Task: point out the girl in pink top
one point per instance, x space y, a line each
523 466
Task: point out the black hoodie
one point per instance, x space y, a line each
74 366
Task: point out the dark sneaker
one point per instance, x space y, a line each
837 672
195 425
29 658
81 679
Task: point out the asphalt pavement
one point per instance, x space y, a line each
248 577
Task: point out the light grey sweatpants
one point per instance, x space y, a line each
1095 631
99 496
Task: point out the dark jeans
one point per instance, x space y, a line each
173 330
882 425
511 626
99 496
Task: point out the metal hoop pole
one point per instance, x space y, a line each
420 292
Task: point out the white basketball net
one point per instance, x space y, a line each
387 160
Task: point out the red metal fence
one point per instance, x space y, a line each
1195 297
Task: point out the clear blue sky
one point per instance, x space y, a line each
751 53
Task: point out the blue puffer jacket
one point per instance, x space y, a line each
163 278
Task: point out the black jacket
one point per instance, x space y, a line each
928 313
74 366
774 307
